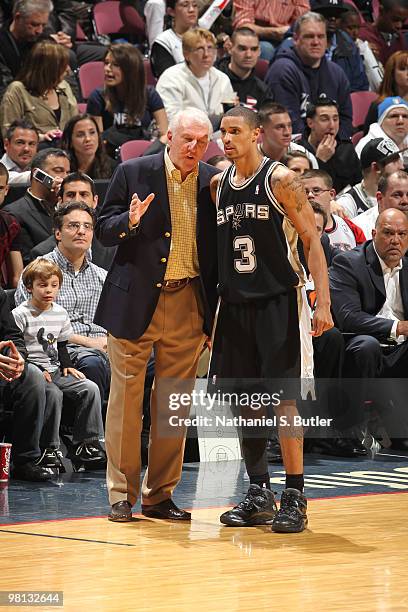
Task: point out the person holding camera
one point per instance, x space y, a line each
35 209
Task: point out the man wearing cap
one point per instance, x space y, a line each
392 123
300 75
392 193
379 156
341 48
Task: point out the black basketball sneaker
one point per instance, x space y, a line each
291 516
257 508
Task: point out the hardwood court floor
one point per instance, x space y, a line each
353 558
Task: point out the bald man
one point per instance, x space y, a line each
369 293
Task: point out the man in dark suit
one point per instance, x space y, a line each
160 294
35 209
369 292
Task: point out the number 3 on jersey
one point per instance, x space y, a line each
246 247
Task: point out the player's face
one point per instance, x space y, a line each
277 130
237 137
187 145
44 292
325 121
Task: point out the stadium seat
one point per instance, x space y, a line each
261 68
90 77
133 148
107 19
150 78
357 137
360 101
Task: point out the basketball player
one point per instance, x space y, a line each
261 210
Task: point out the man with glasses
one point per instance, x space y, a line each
342 233
80 291
195 82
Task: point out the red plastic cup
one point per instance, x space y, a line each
5 452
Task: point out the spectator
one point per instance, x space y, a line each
11 263
167 49
370 301
276 129
195 82
300 75
341 48
46 329
31 427
20 145
392 123
386 34
298 162
394 83
240 68
342 233
269 19
35 209
377 157
392 193
78 187
80 291
154 12
350 22
125 108
41 95
82 141
337 157
29 24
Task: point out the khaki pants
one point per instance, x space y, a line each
176 334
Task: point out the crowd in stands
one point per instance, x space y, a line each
304 66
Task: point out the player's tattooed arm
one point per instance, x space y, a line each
214 186
288 189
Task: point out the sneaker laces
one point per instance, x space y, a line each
290 504
255 498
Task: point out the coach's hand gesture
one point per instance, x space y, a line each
138 208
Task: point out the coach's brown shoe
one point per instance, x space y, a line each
121 512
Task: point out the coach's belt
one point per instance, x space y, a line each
173 284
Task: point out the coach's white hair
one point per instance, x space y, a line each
28 7
187 115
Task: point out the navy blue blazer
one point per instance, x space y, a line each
357 292
132 287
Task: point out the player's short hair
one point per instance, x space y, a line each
271 108
322 174
250 117
42 269
319 211
4 172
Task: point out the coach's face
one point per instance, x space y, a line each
187 144
391 236
237 136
